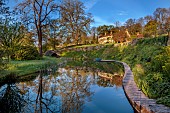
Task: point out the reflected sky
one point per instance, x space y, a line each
68 90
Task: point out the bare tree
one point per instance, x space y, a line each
94 34
141 21
130 25
117 24
148 18
160 15
74 18
37 12
3 8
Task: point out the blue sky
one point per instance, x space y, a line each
109 11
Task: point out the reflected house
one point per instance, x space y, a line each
66 92
110 79
75 86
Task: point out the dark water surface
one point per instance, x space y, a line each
70 89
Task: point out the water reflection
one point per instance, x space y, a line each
72 89
41 95
11 99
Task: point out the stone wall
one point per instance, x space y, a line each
85 48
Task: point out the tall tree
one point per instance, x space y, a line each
11 36
37 12
130 26
117 24
94 35
148 18
1 51
103 30
4 11
167 24
74 19
54 34
141 21
160 15
167 27
3 8
151 29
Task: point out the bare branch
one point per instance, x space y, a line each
38 3
34 8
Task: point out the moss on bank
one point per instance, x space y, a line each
149 60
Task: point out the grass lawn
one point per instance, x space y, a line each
30 66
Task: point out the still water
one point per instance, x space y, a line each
69 89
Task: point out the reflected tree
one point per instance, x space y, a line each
41 102
66 92
112 73
75 89
42 97
11 99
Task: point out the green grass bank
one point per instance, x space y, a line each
26 67
149 60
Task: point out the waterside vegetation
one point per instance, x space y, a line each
22 44
149 60
20 68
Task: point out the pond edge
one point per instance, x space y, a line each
139 101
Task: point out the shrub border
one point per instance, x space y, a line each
139 101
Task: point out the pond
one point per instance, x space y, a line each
78 88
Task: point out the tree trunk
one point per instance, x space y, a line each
40 41
54 45
76 39
168 43
97 41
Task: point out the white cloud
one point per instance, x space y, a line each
122 13
90 3
99 21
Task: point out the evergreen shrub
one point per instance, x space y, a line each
26 53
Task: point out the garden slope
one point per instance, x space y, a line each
149 60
